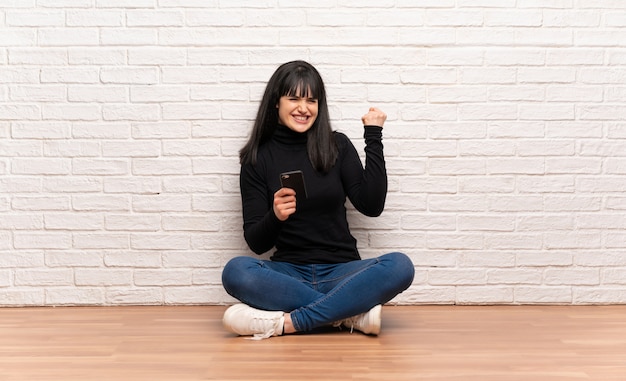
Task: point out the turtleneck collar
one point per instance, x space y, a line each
285 135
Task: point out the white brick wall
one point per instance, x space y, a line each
120 123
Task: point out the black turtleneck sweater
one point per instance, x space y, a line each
318 231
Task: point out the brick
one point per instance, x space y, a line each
18 37
207 277
73 221
190 111
23 259
132 185
515 203
22 296
517 93
146 94
457 167
515 129
100 241
84 166
20 112
35 19
134 222
449 277
159 241
443 203
190 259
134 296
93 18
195 148
569 18
193 295
599 295
443 241
484 295
102 277
129 75
149 18
17 148
71 112
569 240
543 295
190 223
166 166
428 37
162 203
128 37
37 93
545 222
487 184
428 185
428 222
70 296
44 278
506 18
544 259
131 149
108 94
487 112
513 57
72 185
68 37
393 18
59 148
486 223
99 202
572 277
427 295
66 258
514 241
101 130
133 259
40 203
161 130
96 56
239 18
162 277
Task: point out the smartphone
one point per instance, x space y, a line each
295 181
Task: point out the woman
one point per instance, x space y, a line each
315 277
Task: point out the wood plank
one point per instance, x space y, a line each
438 343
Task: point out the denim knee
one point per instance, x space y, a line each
404 270
233 273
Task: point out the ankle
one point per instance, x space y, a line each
288 325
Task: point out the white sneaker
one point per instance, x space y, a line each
245 320
368 322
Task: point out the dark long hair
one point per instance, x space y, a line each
295 78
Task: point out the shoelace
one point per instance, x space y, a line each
349 322
267 325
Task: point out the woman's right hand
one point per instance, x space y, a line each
374 117
284 203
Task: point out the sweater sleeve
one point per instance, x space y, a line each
260 224
366 187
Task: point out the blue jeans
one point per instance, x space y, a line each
319 294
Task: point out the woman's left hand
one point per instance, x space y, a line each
374 117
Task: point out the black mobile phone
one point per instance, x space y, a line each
295 181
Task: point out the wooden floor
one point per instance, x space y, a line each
438 343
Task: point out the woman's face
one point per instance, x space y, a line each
297 113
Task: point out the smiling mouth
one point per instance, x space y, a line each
300 118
